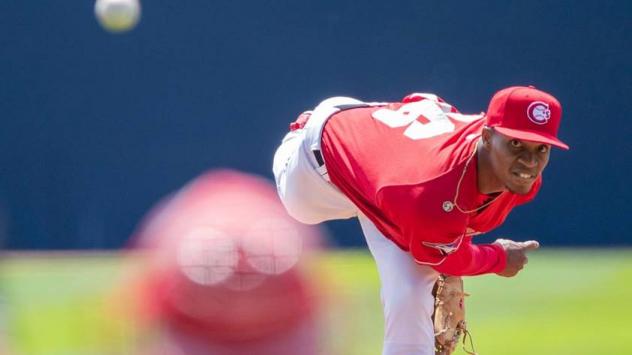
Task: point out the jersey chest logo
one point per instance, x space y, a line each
445 248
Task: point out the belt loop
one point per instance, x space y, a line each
321 169
319 157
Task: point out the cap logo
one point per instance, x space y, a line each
539 112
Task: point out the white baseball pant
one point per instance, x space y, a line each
406 287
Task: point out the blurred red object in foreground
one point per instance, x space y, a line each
225 275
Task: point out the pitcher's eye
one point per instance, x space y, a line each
515 143
543 148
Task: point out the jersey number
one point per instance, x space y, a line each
425 119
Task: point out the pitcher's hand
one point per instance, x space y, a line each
516 255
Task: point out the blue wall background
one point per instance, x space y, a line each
95 128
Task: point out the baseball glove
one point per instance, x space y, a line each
449 315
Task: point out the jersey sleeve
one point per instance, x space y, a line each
473 259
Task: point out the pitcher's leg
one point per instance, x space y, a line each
285 158
307 196
406 290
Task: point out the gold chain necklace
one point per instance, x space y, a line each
446 204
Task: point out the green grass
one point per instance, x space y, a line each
565 302
59 305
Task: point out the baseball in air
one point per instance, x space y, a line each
117 16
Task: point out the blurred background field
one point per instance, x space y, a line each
568 301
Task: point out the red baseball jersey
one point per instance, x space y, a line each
400 163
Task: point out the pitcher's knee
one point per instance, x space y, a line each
406 301
299 212
304 218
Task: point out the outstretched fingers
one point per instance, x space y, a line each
530 245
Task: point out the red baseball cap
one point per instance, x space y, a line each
526 113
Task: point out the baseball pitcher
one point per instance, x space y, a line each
423 179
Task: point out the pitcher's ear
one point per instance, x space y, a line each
486 136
